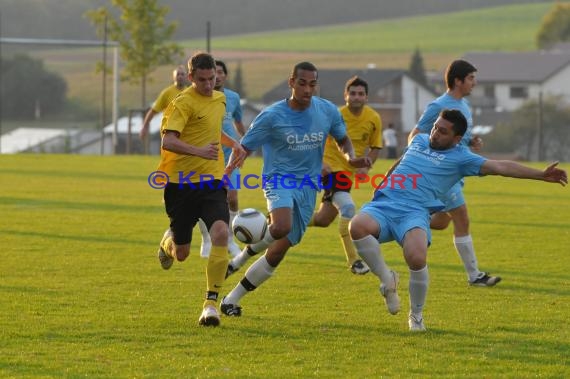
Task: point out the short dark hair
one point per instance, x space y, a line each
356 81
307 66
203 61
458 69
180 68
222 65
457 119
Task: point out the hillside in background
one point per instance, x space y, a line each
507 27
64 18
381 43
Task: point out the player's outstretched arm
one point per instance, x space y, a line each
551 174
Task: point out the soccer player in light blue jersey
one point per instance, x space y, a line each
460 80
233 127
400 209
292 135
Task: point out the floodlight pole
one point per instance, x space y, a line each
540 127
104 92
1 84
115 110
208 36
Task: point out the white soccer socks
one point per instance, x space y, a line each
369 249
466 251
255 275
206 244
251 250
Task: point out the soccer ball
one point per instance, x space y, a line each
249 226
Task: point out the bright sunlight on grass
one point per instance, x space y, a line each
83 295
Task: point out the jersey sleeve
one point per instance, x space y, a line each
161 102
471 164
338 127
427 119
258 132
175 117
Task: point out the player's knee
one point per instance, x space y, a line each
439 224
347 210
182 252
439 221
358 228
279 230
343 202
416 262
219 233
232 200
415 249
321 221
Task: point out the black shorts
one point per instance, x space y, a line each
187 203
335 182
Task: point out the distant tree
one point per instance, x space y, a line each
416 69
555 26
237 83
143 36
27 88
521 133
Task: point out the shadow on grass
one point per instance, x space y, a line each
74 205
558 226
75 237
80 175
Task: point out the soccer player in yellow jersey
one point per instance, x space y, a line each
190 156
180 78
364 127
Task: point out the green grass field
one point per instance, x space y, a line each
83 295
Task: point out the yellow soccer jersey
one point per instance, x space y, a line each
364 130
198 119
165 97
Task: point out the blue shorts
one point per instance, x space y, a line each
396 219
454 197
301 201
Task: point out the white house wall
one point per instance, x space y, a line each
503 95
558 84
415 98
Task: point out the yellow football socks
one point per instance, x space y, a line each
349 249
216 270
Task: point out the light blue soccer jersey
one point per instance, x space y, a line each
446 101
424 174
233 112
293 141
